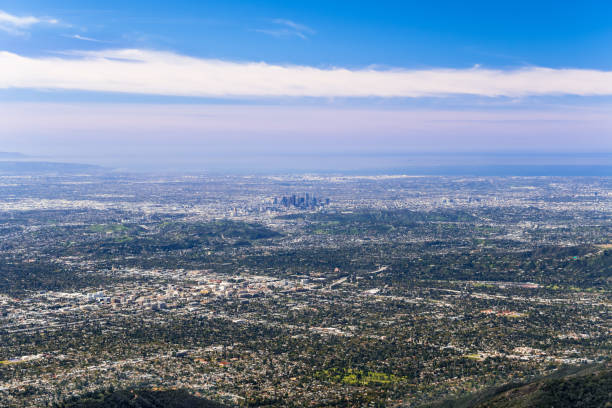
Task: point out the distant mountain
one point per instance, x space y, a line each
589 387
139 398
12 155
21 167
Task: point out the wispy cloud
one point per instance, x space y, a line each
83 38
283 28
16 25
163 73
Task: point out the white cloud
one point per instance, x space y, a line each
163 73
280 32
14 24
83 38
294 25
283 27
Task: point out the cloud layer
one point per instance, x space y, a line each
162 73
239 126
162 137
14 24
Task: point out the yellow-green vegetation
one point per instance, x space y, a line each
512 315
477 357
106 228
353 376
567 288
483 285
9 362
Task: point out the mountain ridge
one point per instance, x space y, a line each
585 387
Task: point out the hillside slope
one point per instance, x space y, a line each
589 387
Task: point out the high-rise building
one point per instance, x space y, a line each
307 201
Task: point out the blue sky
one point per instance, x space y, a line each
439 75
409 34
